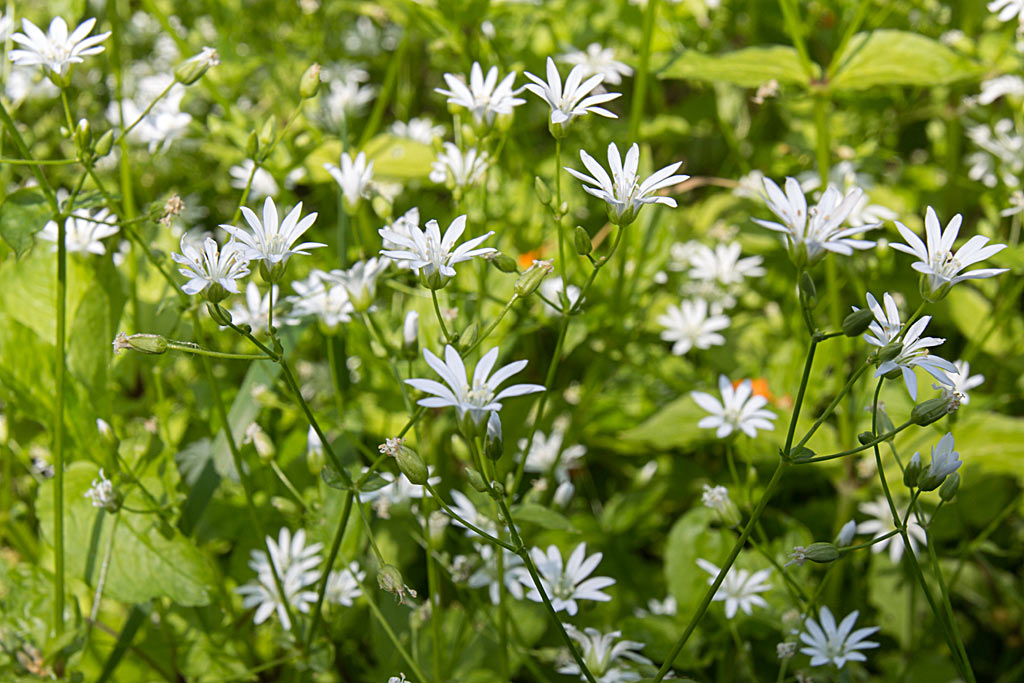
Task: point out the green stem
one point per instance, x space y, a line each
795 31
440 318
58 426
469 525
332 555
557 215
874 442
636 111
494 323
190 347
832 406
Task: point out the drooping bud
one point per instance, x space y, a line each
192 69
503 262
104 144
930 411
809 291
150 344
857 322
822 553
493 444
949 487
309 84
531 279
865 438
543 191
912 471
583 243
476 480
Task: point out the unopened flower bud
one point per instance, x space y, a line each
309 85
192 69
476 480
822 553
409 462
411 335
563 494
83 136
493 444
857 322
949 487
890 351
267 133
219 314
846 534
503 262
543 191
314 452
583 243
151 344
390 579
497 490
809 291
912 471
469 335
865 438
104 144
252 145
933 409
531 279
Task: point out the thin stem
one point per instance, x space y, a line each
494 323
102 580
832 406
874 442
469 525
440 318
58 425
332 555
557 215
795 31
196 349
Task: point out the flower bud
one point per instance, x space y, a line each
809 291
476 480
469 335
531 279
583 243
822 553
309 84
411 335
497 490
929 411
563 494
218 313
192 69
890 351
314 452
865 438
252 145
912 471
543 191
409 462
949 487
150 344
846 534
857 322
503 262
83 136
493 444
390 579
104 144
267 133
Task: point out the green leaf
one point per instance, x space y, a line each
890 57
674 426
149 559
749 67
393 158
692 537
22 215
541 516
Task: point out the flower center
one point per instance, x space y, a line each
479 395
563 587
945 265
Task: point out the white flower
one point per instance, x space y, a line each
885 328
598 60
273 240
994 88
397 491
343 585
739 589
945 461
715 497
296 565
213 266
689 325
483 97
83 231
809 234
263 184
398 679
431 255
546 454
939 265
1008 9
1002 155
883 524
331 304
56 50
360 281
477 398
738 409
420 130
565 586
722 264
572 100
346 95
667 607
845 536
487 574
836 645
601 656
164 123
355 177
623 190
411 330
962 380
457 168
403 225
101 493
314 446
255 311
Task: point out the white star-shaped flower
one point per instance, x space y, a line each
962 381
484 97
297 568
604 656
572 100
431 255
882 524
565 585
598 60
738 409
83 231
688 325
829 644
740 589
355 177
458 169
273 240
212 266
56 50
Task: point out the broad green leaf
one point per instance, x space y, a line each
749 67
149 560
692 537
890 57
22 215
674 426
541 516
393 158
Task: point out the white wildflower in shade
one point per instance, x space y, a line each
403 225
1001 155
605 655
345 96
411 330
546 454
566 584
263 184
574 99
297 568
343 585
945 461
846 534
1001 86
715 497
515 574
255 310
598 60
101 493
163 124
667 607
885 328
1007 10
827 643
722 264
84 231
430 254
962 381
939 265
315 297
360 281
417 129
738 409
272 240
465 509
56 50
623 190
689 325
458 169
354 177
397 491
484 97
740 590
213 266
881 524
811 233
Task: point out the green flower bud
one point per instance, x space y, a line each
104 144
390 579
912 471
809 291
531 279
930 411
504 263
476 480
192 69
890 351
150 344
252 145
409 462
543 191
268 132
83 136
822 553
857 322
865 438
949 487
309 84
469 335
583 243
497 490
218 313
